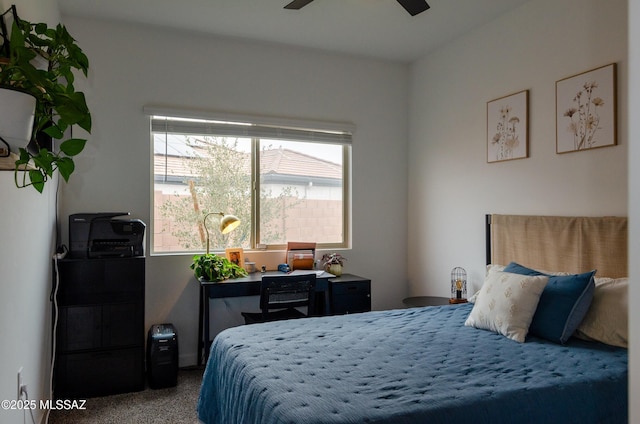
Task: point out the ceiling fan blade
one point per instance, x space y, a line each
414 6
297 4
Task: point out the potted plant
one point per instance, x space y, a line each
211 267
333 263
57 103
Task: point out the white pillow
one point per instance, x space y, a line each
490 267
607 319
506 303
494 267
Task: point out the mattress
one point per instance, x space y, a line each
407 366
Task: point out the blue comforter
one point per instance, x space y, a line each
418 365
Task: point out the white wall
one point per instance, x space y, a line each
452 187
131 66
27 223
634 208
27 233
35 10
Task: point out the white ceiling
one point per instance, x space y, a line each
373 28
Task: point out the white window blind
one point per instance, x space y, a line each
172 121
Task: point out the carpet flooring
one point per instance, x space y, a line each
174 405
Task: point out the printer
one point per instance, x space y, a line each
101 235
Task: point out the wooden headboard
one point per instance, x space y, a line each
559 243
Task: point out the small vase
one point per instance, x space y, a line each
335 269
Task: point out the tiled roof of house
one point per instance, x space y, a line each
289 162
275 162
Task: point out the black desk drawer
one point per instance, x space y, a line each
350 297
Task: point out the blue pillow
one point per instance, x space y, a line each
563 304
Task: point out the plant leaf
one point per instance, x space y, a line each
65 167
37 179
24 156
53 131
73 146
44 160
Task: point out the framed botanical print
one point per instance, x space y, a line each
507 127
586 110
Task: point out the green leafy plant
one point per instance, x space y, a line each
211 267
333 259
58 104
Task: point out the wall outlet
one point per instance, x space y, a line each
19 383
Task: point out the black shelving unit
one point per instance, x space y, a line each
100 332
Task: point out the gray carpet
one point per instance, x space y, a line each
175 405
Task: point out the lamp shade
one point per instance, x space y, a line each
228 223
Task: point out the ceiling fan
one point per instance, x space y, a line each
412 6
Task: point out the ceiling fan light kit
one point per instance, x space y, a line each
412 6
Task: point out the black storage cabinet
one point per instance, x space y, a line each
100 331
350 294
162 356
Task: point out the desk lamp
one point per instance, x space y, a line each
228 223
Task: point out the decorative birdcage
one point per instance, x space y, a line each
458 285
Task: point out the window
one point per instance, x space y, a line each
285 181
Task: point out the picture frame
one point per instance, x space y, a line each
508 127
586 110
235 255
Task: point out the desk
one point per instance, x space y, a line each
246 286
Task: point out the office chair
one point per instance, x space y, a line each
283 293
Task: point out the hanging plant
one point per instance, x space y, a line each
58 104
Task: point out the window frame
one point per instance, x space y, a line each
339 133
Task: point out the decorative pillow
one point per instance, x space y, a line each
494 267
506 303
490 267
563 303
607 320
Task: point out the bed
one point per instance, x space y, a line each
441 364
